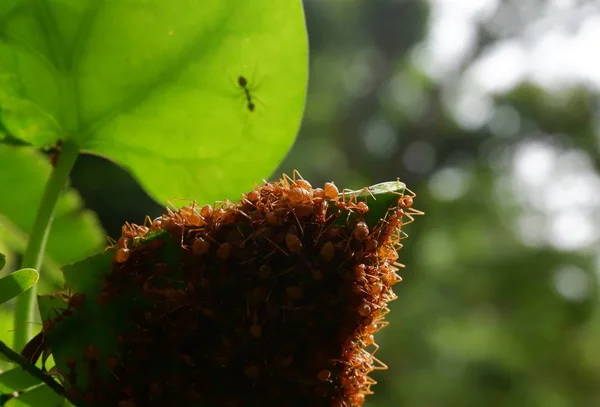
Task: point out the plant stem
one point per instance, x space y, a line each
32 258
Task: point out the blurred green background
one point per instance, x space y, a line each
489 111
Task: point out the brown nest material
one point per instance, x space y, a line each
271 301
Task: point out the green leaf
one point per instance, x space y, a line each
76 232
48 394
6 333
380 198
2 261
16 283
17 379
87 275
154 86
72 335
40 396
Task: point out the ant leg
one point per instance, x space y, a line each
276 246
368 191
296 173
382 366
147 222
112 244
410 193
285 180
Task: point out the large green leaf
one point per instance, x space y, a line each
76 232
154 86
17 282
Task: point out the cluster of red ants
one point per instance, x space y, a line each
271 301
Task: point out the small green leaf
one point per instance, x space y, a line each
380 198
75 233
2 261
17 282
155 86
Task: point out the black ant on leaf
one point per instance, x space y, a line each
243 82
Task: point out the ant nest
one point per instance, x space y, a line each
271 301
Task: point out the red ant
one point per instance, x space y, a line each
298 190
369 340
331 191
390 226
129 231
55 152
405 208
72 376
191 216
364 274
295 181
375 326
327 252
324 375
74 300
352 204
361 231
292 241
122 253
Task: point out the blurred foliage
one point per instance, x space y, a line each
499 304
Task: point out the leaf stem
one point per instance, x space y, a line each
32 258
